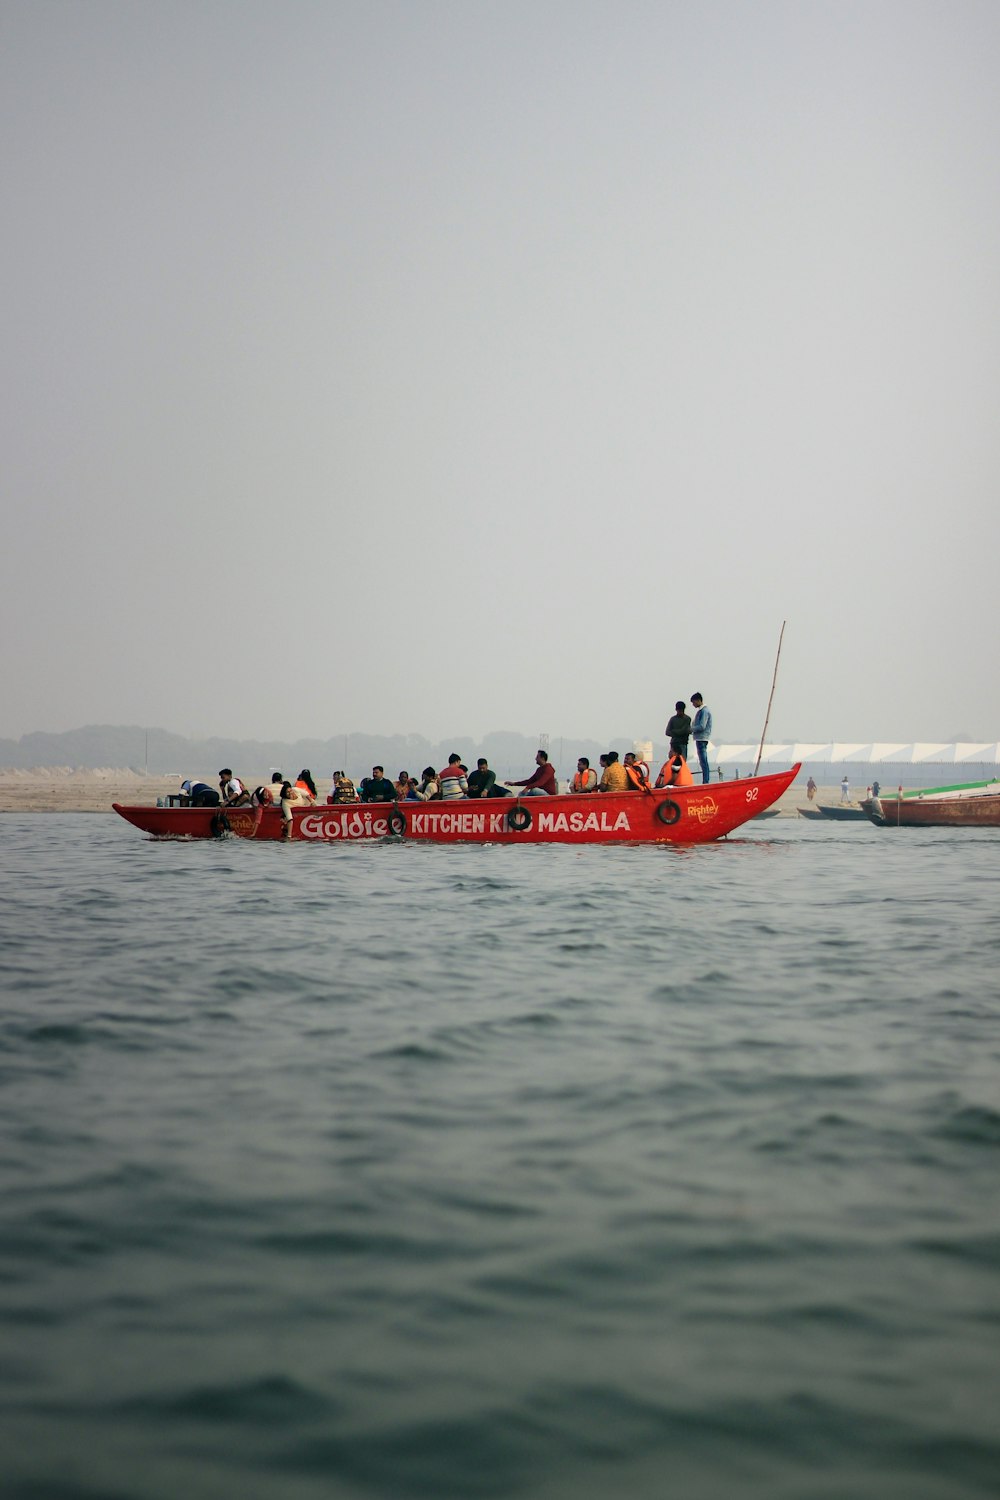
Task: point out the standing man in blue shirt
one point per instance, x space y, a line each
701 733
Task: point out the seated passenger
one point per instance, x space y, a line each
636 772
402 785
377 787
306 784
585 779
542 781
342 788
452 779
231 789
429 789
482 780
675 772
615 778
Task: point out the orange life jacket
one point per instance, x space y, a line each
636 777
581 781
675 772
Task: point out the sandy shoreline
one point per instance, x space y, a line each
78 791
95 791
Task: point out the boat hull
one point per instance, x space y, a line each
933 812
678 815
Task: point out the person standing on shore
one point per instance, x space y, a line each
701 733
845 790
810 789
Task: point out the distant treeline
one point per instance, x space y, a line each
159 752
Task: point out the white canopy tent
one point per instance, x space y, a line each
839 753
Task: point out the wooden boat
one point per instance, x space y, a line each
841 812
973 804
678 815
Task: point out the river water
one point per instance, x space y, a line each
401 1170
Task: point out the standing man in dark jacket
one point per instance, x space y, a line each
679 730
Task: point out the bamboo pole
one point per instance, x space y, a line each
770 700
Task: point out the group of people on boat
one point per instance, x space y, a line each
455 780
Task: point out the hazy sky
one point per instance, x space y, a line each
441 367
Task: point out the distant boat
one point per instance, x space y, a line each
973 804
839 813
677 815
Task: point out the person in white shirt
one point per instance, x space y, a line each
231 789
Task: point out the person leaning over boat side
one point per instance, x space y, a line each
429 789
701 733
675 771
200 794
342 788
635 770
289 796
452 780
377 787
615 778
679 730
542 781
482 780
585 779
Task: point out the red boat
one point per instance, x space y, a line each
678 815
